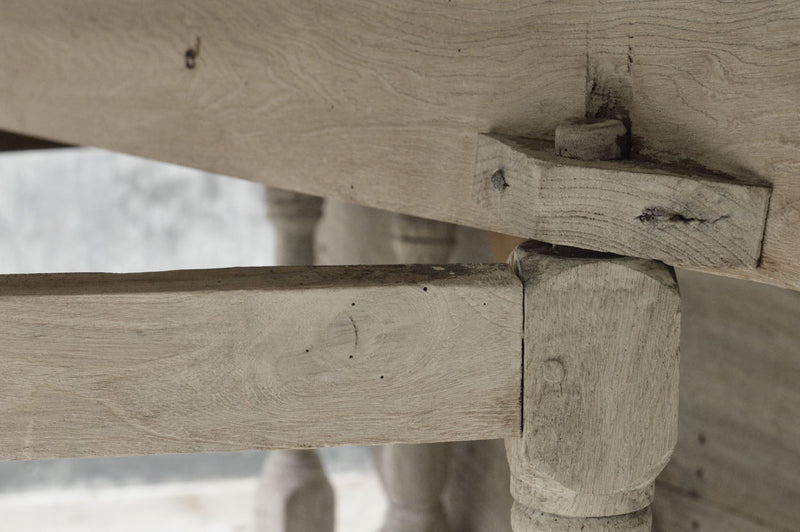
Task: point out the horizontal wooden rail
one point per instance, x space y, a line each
257 358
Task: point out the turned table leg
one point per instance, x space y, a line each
600 392
415 475
294 494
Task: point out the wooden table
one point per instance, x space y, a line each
441 110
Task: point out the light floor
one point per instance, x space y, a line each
207 506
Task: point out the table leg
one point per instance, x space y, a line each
294 494
600 394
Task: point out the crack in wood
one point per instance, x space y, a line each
657 214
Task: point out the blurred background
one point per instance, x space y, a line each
79 210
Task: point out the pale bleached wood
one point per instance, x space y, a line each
592 140
353 101
415 475
528 520
278 96
600 399
294 493
626 207
105 364
711 82
736 462
739 434
676 511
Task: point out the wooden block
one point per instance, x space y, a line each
372 103
600 399
624 207
257 358
592 140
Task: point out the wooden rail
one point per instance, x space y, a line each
258 358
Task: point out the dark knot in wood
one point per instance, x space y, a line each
499 180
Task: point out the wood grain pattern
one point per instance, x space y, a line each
378 101
715 83
414 475
740 401
362 102
675 511
626 207
371 101
104 364
293 491
600 400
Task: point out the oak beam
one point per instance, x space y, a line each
257 358
272 92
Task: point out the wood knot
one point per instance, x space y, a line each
190 57
553 370
499 180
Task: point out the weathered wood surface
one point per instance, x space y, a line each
105 364
676 511
380 102
294 493
600 399
415 475
527 520
626 207
739 434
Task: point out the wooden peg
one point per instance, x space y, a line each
294 493
592 140
600 395
415 475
